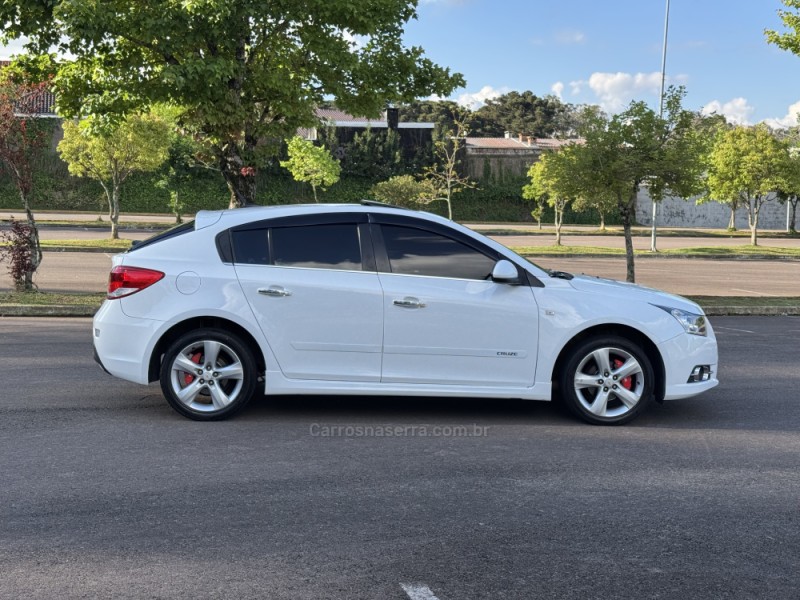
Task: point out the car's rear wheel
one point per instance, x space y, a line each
607 380
208 374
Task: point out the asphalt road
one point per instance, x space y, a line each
88 272
108 493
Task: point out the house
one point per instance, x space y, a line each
509 156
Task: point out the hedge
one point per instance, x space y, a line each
56 189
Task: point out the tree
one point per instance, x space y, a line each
139 143
445 175
746 165
552 177
789 191
635 148
524 113
311 164
247 73
788 40
402 190
22 134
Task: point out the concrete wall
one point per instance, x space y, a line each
676 212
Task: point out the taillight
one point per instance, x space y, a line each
124 281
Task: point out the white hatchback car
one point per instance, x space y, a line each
370 299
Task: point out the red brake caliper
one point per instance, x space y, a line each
195 358
626 382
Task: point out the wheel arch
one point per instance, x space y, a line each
193 323
631 333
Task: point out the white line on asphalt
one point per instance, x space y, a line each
733 329
752 292
418 592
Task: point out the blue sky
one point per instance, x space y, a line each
609 52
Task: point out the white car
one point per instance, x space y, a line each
377 300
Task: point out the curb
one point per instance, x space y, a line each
93 249
46 310
58 310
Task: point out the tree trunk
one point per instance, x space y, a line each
241 179
558 222
115 212
792 214
314 190
753 208
625 211
33 243
732 221
602 222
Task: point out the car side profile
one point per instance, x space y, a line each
376 300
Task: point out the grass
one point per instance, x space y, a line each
105 243
733 252
712 301
51 298
639 232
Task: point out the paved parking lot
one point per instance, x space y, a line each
107 493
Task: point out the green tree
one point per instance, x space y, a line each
139 143
311 164
524 113
552 178
746 165
248 73
787 40
402 190
22 135
445 174
636 148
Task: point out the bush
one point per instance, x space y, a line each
16 249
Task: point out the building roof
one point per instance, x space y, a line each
44 101
515 143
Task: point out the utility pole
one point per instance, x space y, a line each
653 247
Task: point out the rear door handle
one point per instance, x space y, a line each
275 291
409 302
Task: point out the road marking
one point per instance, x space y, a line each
418 592
753 292
733 329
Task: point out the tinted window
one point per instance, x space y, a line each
317 246
251 247
418 252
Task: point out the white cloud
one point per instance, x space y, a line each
736 111
557 88
616 90
570 36
477 99
576 87
790 120
13 47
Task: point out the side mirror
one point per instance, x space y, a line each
505 272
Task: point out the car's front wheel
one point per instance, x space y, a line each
607 380
208 374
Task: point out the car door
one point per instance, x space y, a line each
313 289
446 322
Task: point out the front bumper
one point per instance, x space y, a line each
681 355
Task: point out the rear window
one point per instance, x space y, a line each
164 235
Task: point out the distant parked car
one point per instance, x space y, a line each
376 300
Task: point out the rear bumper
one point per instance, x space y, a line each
121 343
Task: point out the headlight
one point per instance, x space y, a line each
692 323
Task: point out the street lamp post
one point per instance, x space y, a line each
653 247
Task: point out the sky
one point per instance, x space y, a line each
608 52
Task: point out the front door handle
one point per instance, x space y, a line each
409 302
275 291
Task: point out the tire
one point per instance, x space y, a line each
593 369
208 390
